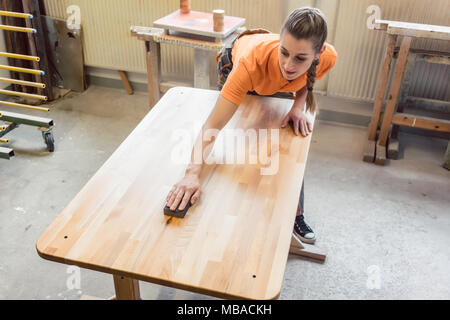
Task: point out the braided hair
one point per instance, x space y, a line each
308 23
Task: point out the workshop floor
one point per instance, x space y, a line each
385 229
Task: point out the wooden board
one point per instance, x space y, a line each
233 244
411 120
417 30
200 23
183 39
446 162
381 90
394 90
65 53
126 83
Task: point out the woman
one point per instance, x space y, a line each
265 63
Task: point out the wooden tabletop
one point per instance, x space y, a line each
233 244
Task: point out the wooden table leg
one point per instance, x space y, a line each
201 69
125 82
380 157
126 288
153 59
369 155
393 147
306 250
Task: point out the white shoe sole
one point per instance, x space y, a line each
306 240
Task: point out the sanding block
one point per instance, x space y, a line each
177 213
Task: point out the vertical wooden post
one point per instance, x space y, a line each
380 157
407 78
392 152
201 69
153 58
126 288
382 85
369 155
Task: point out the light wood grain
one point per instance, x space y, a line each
233 244
417 30
126 289
190 42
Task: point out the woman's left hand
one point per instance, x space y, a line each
300 122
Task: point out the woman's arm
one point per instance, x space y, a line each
300 99
189 186
300 122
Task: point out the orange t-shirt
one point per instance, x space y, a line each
256 68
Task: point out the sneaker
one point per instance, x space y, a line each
303 231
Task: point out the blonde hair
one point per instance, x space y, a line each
308 23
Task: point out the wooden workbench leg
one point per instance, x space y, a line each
393 147
126 288
380 157
125 82
306 250
201 69
153 59
369 155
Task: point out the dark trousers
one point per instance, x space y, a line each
300 207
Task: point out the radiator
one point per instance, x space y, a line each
108 44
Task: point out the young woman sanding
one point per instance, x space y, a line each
264 63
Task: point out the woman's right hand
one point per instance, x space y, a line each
188 188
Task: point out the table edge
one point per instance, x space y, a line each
167 283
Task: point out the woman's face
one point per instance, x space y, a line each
295 56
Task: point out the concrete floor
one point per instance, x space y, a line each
392 222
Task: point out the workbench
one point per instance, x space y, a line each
234 243
378 148
202 46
